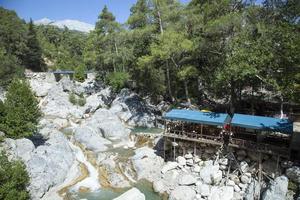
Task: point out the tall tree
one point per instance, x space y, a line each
34 58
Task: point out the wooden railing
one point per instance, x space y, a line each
234 142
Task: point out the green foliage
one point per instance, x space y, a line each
9 68
34 60
21 111
13 180
72 98
80 73
117 80
77 100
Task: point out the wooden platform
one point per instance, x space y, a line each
234 142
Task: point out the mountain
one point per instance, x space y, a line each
69 23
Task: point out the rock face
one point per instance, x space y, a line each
91 140
182 193
132 194
277 190
133 110
107 124
221 193
147 164
47 165
211 174
187 179
293 173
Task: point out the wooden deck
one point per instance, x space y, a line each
234 142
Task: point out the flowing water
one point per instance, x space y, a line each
92 182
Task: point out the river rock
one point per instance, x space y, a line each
197 168
20 148
245 179
293 173
181 160
221 193
132 194
188 156
277 189
182 193
244 166
143 158
107 124
187 179
132 109
203 189
169 166
211 174
57 104
159 187
91 140
223 161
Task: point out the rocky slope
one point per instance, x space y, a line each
73 151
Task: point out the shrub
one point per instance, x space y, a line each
13 180
72 98
81 101
20 111
117 80
80 73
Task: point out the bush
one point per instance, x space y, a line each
80 73
81 101
13 180
20 111
72 98
117 80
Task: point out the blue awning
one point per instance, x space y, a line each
208 118
262 123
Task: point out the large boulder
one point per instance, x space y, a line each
107 124
132 109
97 100
20 148
211 174
182 193
277 189
293 173
41 83
132 194
91 140
169 166
147 164
187 179
47 165
221 193
57 104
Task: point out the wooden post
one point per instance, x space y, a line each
174 151
201 130
195 149
277 164
259 174
165 148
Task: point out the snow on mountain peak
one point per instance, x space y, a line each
69 23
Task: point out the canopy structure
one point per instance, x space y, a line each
262 123
207 118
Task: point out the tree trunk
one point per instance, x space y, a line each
186 91
232 99
169 81
200 90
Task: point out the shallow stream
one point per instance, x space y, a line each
109 193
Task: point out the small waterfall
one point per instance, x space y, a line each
91 182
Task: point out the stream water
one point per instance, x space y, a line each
91 181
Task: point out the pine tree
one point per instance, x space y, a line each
34 60
13 179
21 111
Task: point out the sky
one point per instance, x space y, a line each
82 10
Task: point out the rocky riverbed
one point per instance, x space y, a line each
91 152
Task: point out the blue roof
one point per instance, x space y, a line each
262 123
209 118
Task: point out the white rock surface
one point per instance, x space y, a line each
211 174
187 179
143 158
169 166
277 190
132 194
293 173
182 193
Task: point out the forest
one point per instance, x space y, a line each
225 51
